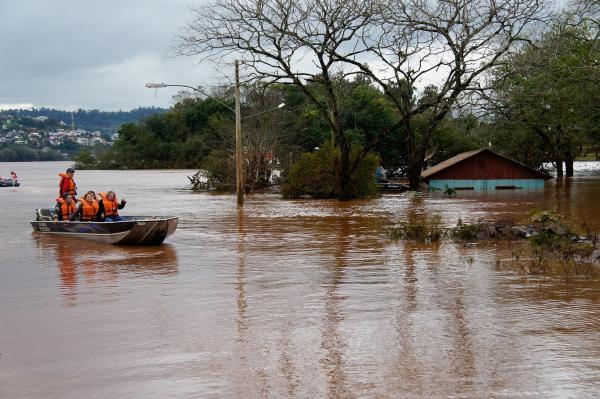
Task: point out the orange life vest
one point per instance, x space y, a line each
111 207
66 185
89 211
66 210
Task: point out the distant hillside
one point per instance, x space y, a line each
90 120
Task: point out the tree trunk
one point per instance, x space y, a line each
344 173
415 162
414 173
559 168
569 167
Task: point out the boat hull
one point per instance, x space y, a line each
133 230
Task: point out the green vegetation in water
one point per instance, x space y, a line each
421 230
449 191
555 245
464 232
549 245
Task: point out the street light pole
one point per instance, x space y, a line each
239 167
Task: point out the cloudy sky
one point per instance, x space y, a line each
71 54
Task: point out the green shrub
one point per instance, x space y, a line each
315 175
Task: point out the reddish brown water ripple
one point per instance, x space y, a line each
288 299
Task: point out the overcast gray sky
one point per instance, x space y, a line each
69 54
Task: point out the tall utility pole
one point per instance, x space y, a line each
239 167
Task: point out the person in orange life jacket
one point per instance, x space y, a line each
65 207
67 184
109 207
87 208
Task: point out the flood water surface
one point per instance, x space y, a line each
299 299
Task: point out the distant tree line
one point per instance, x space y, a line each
20 153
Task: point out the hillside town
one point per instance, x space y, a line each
41 131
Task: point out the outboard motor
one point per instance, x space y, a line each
43 215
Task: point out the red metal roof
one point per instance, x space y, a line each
428 173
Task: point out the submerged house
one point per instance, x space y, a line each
482 170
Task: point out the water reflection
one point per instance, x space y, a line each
332 339
241 278
97 264
407 365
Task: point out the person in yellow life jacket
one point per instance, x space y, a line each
86 209
65 207
67 184
109 207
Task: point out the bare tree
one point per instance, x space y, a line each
451 43
289 42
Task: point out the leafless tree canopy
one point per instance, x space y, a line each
450 43
278 40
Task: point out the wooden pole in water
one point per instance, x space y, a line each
239 172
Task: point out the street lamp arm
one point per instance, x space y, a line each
266 110
160 85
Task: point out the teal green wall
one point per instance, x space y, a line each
486 185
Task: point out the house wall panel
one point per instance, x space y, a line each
485 184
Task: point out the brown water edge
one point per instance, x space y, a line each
289 299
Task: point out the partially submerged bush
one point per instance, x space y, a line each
315 175
431 230
553 243
217 173
467 232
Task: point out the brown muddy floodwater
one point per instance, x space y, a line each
298 299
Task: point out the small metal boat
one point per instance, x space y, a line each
132 230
